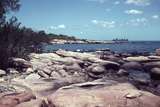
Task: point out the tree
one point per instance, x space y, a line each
7 6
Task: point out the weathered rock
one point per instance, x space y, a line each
120 95
158 52
56 75
139 77
63 73
43 74
96 69
2 72
89 85
47 71
33 76
40 87
155 73
73 68
137 59
33 103
132 65
149 65
123 72
95 76
29 70
57 67
110 58
154 57
13 99
12 71
81 56
19 62
110 65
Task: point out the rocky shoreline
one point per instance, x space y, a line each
76 79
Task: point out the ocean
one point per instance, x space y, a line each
132 46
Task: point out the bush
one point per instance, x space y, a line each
18 42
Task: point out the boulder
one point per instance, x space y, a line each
20 63
137 59
12 71
158 52
132 65
33 76
149 65
155 73
96 71
2 72
13 99
73 68
139 77
101 95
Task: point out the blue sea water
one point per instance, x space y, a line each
132 46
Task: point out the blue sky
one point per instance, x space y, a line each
94 19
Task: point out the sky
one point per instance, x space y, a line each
94 19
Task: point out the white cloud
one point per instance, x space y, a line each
105 24
138 2
108 10
133 11
52 27
155 16
117 2
100 1
95 21
81 32
62 26
137 22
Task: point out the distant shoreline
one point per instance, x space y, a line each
63 41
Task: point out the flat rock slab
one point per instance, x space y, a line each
13 99
120 95
137 59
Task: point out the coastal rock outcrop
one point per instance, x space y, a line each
101 95
81 79
73 66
